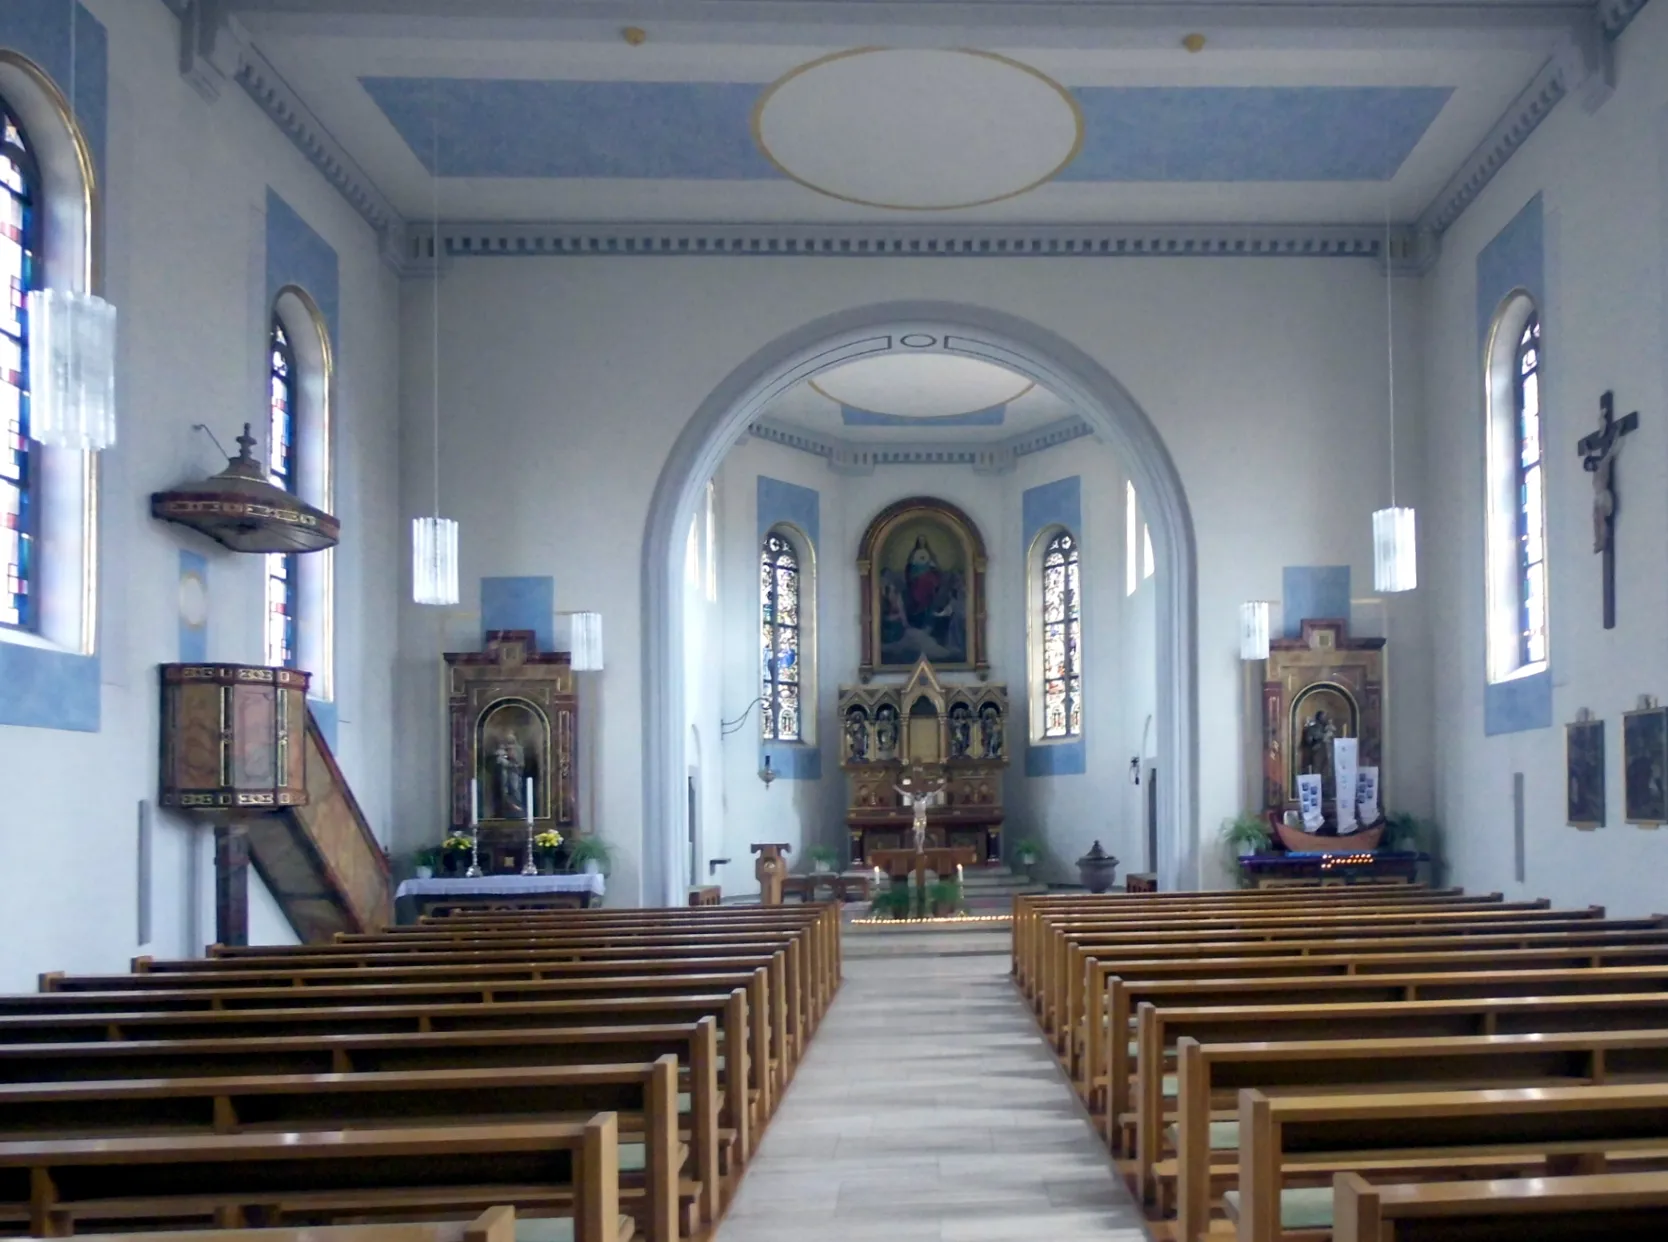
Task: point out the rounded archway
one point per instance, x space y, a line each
878 330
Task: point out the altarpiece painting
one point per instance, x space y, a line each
921 569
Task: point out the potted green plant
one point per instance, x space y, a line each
894 900
1028 853
545 845
945 896
1246 834
425 861
455 852
591 855
823 859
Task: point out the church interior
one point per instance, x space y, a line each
722 622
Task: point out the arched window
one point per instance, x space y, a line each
1517 553
19 246
1531 507
282 573
1062 638
780 633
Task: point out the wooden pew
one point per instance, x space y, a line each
1555 1130
1346 989
643 1097
744 1084
1211 1075
231 1179
496 1224
1448 954
694 1045
765 1003
1603 1207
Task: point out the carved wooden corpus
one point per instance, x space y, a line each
771 868
513 714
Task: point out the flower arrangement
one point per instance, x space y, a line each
455 852
548 841
457 845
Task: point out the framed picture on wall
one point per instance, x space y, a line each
1584 768
1645 765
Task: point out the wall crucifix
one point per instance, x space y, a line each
1598 457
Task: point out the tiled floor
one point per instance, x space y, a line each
928 1110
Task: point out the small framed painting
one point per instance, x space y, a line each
1645 765
1584 766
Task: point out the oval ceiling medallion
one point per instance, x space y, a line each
923 386
918 130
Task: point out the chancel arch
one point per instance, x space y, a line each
1517 595
955 329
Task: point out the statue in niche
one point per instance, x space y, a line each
1315 744
990 731
886 733
961 731
857 737
509 768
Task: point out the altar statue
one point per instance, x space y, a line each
509 765
1316 743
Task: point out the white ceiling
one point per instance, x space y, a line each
1485 52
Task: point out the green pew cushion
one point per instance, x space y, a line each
544 1229
1171 1086
1301 1207
634 1158
1224 1135
685 1101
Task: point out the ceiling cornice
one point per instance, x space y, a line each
852 456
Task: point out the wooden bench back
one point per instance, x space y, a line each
1602 1207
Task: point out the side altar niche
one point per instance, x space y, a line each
949 742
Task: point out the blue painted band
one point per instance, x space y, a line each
798 506
1314 593
994 416
792 763
521 604
42 689
297 255
193 638
324 715
1056 759
1519 705
40 30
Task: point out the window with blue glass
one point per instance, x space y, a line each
1531 498
779 639
19 246
282 575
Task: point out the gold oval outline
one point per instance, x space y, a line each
922 418
755 123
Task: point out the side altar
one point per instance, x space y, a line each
924 740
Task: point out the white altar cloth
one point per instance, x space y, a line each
501 885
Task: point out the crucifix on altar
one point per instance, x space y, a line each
1598 457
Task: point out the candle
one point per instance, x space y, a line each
529 799
958 873
877 877
474 802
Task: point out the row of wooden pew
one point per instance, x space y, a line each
1372 1063
609 1071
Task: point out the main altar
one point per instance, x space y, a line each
924 739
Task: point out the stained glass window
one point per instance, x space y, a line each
281 568
779 635
1531 498
1062 638
19 246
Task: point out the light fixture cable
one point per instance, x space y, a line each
434 277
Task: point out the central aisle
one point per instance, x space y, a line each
929 1110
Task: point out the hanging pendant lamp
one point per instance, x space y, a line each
72 350
1253 630
1395 541
434 539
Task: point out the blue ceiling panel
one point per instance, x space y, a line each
701 131
851 416
1254 133
682 131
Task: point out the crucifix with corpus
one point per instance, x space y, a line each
1598 457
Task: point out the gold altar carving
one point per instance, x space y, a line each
1319 686
933 734
513 717
921 576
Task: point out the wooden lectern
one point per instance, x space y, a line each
771 868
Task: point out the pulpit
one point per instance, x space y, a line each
952 738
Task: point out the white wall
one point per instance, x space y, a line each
185 186
566 381
1604 182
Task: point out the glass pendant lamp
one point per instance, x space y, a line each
1253 630
1395 544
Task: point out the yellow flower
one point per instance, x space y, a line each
550 839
